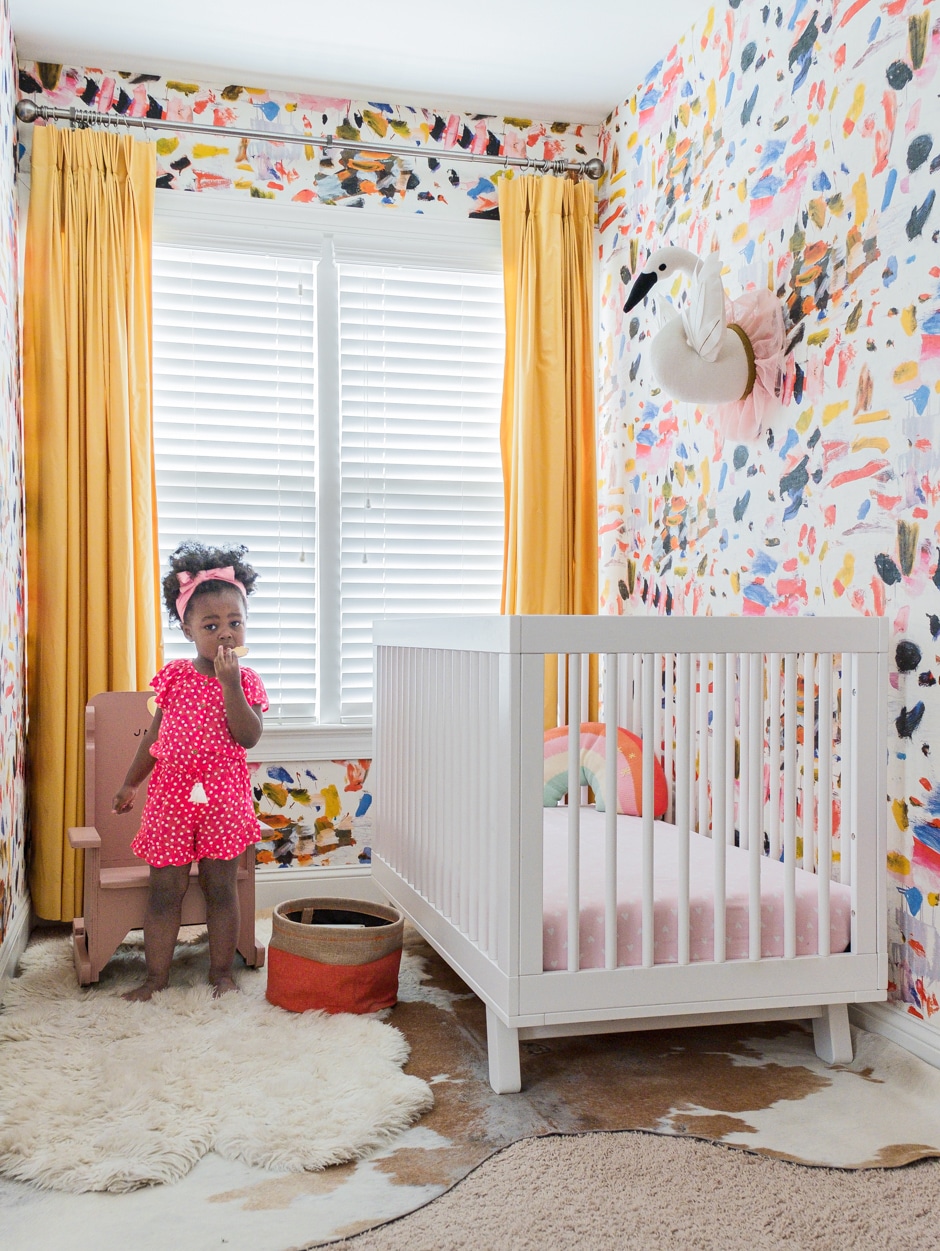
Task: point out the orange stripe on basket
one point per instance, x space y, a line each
302 985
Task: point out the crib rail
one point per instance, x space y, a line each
770 732
446 808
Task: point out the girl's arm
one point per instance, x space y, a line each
140 767
244 719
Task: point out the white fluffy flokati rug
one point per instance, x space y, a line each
99 1094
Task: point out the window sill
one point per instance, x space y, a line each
281 743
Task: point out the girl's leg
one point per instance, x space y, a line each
161 926
218 879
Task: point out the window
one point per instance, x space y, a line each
421 370
334 405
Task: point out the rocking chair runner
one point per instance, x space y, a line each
116 881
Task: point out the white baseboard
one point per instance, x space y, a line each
13 947
921 1039
274 886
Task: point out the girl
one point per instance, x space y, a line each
198 804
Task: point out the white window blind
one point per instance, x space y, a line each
235 440
421 360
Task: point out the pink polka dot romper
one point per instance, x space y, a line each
194 745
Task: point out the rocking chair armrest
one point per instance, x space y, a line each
84 838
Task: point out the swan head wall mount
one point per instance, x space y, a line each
717 351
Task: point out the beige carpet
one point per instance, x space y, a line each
759 1089
616 1192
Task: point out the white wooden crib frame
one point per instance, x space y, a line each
458 777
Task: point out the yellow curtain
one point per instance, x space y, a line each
547 434
91 529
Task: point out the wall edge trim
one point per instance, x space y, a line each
274 886
915 1036
13 947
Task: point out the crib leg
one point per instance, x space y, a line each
502 1045
831 1035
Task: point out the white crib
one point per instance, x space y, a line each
771 733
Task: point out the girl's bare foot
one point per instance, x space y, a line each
144 993
222 984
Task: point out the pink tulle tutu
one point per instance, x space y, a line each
760 316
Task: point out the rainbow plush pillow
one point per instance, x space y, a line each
593 769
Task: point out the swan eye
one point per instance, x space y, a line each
662 267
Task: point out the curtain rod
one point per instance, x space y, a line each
28 111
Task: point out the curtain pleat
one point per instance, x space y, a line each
91 527
547 431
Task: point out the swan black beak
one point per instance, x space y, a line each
639 290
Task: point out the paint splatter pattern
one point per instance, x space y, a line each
349 174
12 579
314 814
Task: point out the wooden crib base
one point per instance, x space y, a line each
832 1038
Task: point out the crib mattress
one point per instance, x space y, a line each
666 895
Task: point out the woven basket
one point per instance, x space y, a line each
334 955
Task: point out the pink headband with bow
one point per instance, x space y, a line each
188 583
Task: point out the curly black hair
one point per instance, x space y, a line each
193 557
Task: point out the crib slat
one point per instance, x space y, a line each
789 804
744 780
524 722
467 698
807 762
561 698
404 681
636 713
684 749
574 812
585 710
478 709
416 740
441 869
466 677
669 727
660 706
720 808
421 789
498 808
730 740
824 866
869 677
448 870
755 786
703 675
773 732
403 719
649 929
611 667
433 758
719 843
849 747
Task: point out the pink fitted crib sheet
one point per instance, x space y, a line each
666 894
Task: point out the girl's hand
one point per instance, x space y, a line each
226 667
123 801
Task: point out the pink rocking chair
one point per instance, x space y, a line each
116 882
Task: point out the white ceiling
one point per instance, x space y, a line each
550 60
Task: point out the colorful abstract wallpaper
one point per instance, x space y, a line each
802 142
348 174
13 898
313 814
